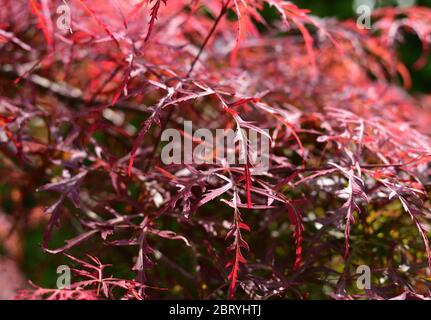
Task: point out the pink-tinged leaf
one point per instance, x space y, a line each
212 194
237 244
123 86
154 13
248 183
99 22
68 188
353 192
296 221
72 242
411 208
138 6
138 141
167 234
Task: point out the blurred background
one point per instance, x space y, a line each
410 51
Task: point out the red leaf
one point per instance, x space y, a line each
242 225
35 8
138 141
154 12
100 23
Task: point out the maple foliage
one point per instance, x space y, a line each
82 116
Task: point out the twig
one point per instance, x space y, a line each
214 27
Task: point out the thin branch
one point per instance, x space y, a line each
214 27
